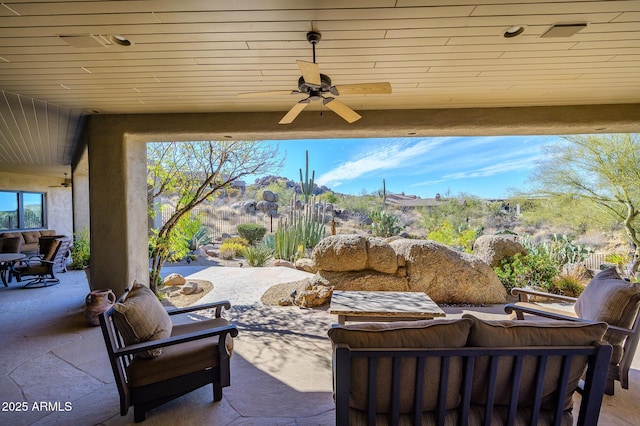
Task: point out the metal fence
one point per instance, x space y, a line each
224 221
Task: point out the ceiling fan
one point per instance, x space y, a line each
316 86
66 183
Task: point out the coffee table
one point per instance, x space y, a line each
6 262
385 306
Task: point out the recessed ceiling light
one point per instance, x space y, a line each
228 136
514 31
119 40
411 134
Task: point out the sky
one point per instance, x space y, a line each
487 167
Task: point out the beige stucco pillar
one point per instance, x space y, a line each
117 182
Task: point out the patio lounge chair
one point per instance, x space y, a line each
607 298
155 360
42 266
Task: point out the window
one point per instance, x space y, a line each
21 210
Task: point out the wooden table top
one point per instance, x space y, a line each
386 304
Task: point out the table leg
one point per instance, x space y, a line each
341 319
4 272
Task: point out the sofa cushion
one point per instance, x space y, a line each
31 237
141 318
510 333
410 334
47 232
610 299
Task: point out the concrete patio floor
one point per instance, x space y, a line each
280 373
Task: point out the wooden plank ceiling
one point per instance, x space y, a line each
197 55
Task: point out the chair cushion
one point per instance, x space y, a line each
513 333
610 299
178 360
48 248
13 234
141 317
10 244
410 334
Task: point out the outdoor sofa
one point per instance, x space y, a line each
30 240
468 371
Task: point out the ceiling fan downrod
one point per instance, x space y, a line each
314 37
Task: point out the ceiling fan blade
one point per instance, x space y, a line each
310 72
269 93
364 89
342 110
294 111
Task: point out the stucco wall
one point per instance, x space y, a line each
59 212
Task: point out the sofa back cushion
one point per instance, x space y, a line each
141 317
509 333
31 237
410 334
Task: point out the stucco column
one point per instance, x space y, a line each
117 182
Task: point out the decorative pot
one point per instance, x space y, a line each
97 302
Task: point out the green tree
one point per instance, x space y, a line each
599 170
193 172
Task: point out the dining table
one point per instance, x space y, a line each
7 260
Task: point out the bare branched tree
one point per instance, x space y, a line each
194 172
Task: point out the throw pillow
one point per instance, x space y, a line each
141 318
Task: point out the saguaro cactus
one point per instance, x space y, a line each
306 185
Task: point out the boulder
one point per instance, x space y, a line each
494 248
381 257
191 288
341 253
316 293
285 263
174 279
448 276
270 196
365 281
306 264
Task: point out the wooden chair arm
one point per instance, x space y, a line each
524 294
176 340
514 307
217 305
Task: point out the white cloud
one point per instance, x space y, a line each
398 153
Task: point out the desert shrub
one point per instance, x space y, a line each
385 224
200 238
227 253
229 247
237 240
460 239
257 255
534 269
81 250
252 232
567 285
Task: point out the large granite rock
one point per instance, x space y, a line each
381 256
448 276
494 248
341 253
366 280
